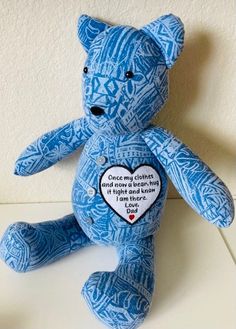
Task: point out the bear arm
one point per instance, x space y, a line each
52 147
201 188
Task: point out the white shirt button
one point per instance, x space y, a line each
91 191
101 160
89 221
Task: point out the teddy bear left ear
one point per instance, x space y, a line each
88 29
168 33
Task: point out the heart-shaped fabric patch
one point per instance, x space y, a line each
130 193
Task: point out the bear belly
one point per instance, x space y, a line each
119 189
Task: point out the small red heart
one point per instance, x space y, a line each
131 216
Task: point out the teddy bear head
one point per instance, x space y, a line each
125 77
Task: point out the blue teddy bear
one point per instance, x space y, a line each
120 185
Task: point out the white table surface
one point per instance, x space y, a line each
196 276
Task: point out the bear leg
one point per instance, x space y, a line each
26 247
121 299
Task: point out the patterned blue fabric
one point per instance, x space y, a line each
25 247
203 190
88 29
168 33
121 299
125 83
52 147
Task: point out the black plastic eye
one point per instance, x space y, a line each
85 69
129 74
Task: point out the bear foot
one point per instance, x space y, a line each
14 246
118 302
25 247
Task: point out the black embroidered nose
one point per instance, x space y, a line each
97 110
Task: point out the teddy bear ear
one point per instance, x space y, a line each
168 33
88 29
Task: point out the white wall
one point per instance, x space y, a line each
41 62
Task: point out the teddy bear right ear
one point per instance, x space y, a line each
168 33
88 29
